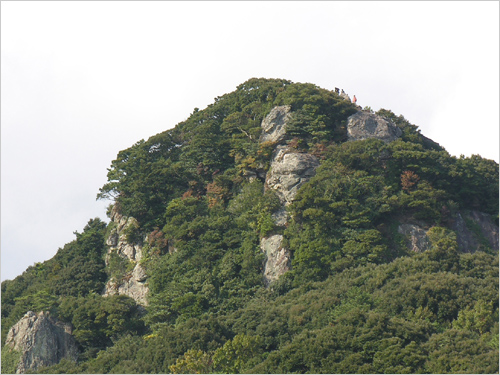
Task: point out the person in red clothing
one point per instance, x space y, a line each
354 100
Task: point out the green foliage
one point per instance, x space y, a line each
476 183
479 318
318 114
355 301
97 320
456 352
118 266
230 358
132 233
252 208
39 301
236 353
192 362
474 227
223 136
444 246
76 269
335 219
10 360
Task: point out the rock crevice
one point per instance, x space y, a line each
277 258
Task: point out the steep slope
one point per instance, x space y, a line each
281 229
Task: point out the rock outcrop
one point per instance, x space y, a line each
416 237
475 231
41 340
117 239
364 125
274 125
289 170
134 282
277 258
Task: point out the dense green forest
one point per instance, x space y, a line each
355 300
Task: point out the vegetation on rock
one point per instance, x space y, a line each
356 300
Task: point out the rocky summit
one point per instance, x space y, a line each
364 125
282 229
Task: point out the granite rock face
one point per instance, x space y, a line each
117 239
416 237
274 125
289 171
475 230
41 340
277 258
133 283
364 125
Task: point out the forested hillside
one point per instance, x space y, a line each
281 229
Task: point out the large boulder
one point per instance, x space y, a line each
289 171
42 341
274 125
364 125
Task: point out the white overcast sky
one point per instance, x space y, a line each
81 81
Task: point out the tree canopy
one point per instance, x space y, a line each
356 299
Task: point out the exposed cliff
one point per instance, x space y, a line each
274 125
415 236
289 170
475 231
134 282
41 340
277 258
